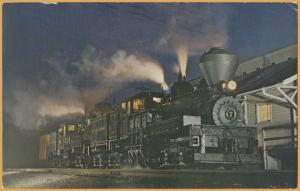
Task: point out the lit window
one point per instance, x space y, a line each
71 127
157 99
138 104
128 107
264 112
123 105
60 130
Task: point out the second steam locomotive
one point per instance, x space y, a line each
193 125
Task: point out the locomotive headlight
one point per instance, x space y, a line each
231 85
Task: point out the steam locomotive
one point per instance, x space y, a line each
194 125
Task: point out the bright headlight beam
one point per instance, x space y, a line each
231 85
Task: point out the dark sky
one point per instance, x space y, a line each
46 46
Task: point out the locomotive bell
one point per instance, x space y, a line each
218 65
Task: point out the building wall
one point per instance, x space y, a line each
280 116
267 59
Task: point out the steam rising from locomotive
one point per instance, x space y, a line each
109 73
128 67
53 108
182 57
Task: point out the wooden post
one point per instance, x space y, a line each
264 150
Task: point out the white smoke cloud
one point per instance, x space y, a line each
182 56
126 67
29 108
23 111
73 85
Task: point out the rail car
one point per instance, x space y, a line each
188 127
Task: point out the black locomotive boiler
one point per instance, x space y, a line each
199 124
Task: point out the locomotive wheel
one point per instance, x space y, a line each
227 111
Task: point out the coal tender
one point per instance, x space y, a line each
198 124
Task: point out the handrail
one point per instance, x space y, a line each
279 138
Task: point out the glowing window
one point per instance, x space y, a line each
128 107
60 130
123 105
264 113
138 104
157 99
71 127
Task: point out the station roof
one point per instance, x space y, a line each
267 76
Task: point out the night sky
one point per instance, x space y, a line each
53 53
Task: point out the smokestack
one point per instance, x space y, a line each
179 76
218 65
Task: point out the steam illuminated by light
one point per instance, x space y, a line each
182 56
53 108
129 67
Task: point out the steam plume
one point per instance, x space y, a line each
193 29
55 108
125 67
182 56
73 85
